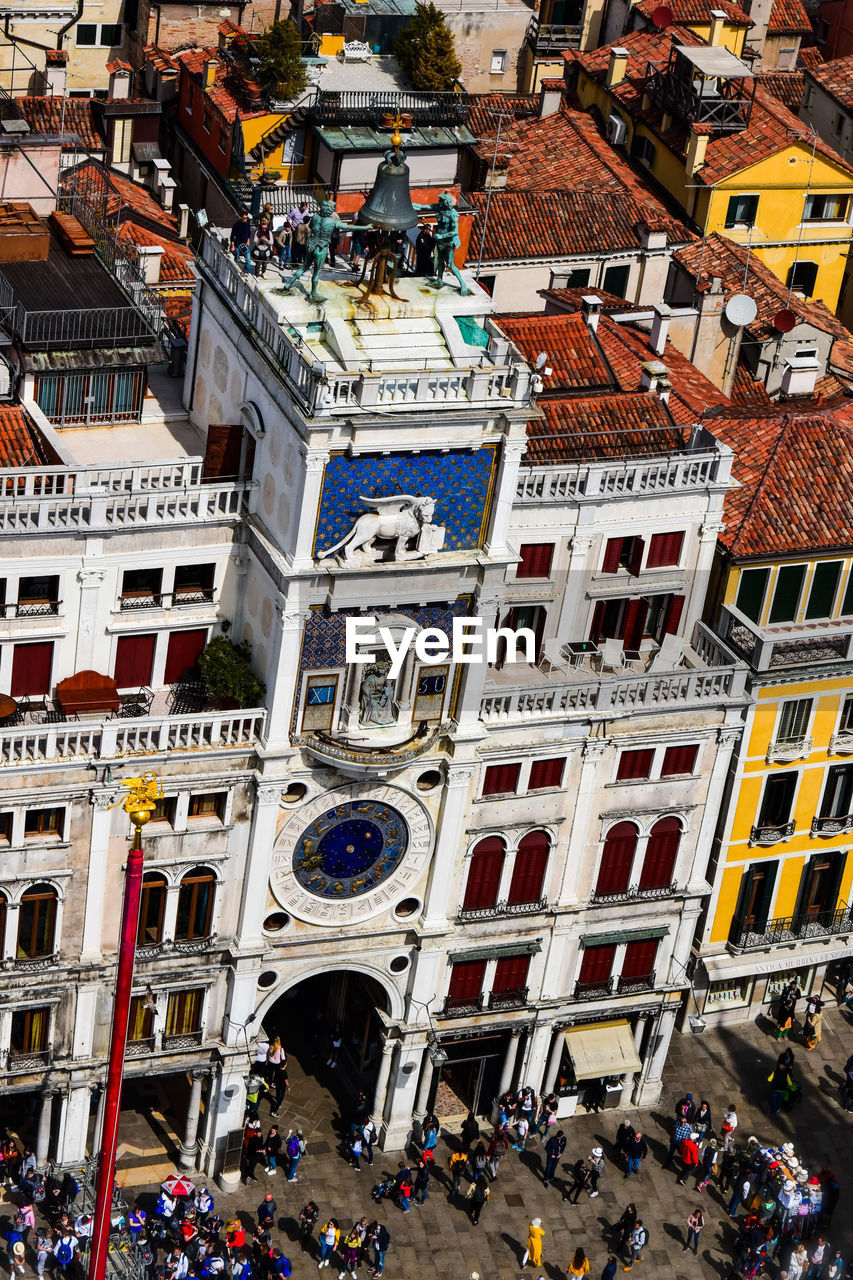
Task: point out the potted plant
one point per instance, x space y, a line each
226 669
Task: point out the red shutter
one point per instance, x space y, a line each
635 620
664 548
597 964
31 668
546 773
612 552
222 454
634 764
182 654
511 974
536 560
484 874
466 979
134 661
678 760
639 960
597 622
673 614
636 557
661 852
500 779
528 873
616 859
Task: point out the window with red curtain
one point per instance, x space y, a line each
510 974
501 779
678 760
635 623
664 548
597 964
466 979
673 615
634 764
528 874
484 874
31 668
639 959
612 555
546 773
536 560
661 853
182 654
616 859
134 661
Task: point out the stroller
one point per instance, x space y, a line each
384 1190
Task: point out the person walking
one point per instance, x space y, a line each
422 1180
368 1138
241 235
579 1265
835 1270
695 1223
329 1237
689 1154
458 1164
266 1211
639 1238
595 1164
580 1173
740 1194
798 1263
404 1188
624 1226
498 1148
272 1147
307 1221
702 1121
479 1160
708 1164
813 1028
262 246
780 1082
535 1236
680 1131
379 1237
636 1150
296 1146
479 1198
727 1128
547 1117
522 1128
685 1108
623 1133
609 1268
350 1253
470 1131
819 1254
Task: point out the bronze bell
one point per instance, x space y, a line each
389 204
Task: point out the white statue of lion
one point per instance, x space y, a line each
400 518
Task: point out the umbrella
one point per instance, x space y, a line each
178 1186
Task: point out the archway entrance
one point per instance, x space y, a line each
326 1079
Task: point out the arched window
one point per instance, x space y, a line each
195 904
484 874
661 852
152 908
37 922
528 874
616 859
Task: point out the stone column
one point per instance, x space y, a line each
553 1063
90 581
648 1089
396 1127
99 1118
74 1124
96 880
314 467
534 1058
487 607
381 1086
504 498
43 1136
446 852
427 1077
509 1062
286 643
573 887
187 1157
258 862
571 606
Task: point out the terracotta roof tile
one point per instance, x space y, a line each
697 11
787 86
482 117
63 115
21 442
605 426
836 79
789 16
748 390
118 65
573 354
121 195
230 95
810 57
175 263
179 308
160 59
572 299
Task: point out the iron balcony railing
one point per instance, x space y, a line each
84 327
630 986
767 835
832 826
463 1004
744 936
722 104
31 609
375 108
503 909
183 1040
138 1048
552 37
635 893
593 990
158 599
508 999
21 1061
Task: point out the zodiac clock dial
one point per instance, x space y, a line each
349 853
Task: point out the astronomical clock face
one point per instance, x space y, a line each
350 854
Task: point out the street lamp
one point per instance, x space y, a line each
138 804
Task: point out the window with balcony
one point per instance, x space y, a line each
140 1025
183 1012
756 894
152 909
37 922
786 594
30 1028
824 589
596 969
752 585
678 761
777 801
632 619
819 887
536 560
194 583
802 277
545 774
845 724
210 806
484 874
44 824
638 964
141 589
826 208
3 920
617 858
532 617
528 873
634 765
847 602
837 802
509 985
661 854
99 395
38 595
794 720
195 904
664 549
182 655
5 832
501 779
466 984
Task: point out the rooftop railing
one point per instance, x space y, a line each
373 107
84 327
553 37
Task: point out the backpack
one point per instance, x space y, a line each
293 1146
64 1253
38 1192
146 1255
644 1234
20 1221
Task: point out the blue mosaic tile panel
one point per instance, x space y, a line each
459 481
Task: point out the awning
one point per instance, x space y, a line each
606 1049
496 953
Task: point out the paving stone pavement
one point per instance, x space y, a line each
730 1064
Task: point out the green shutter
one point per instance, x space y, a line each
750 592
824 587
786 597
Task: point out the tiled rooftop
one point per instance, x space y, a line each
836 78
483 115
789 17
21 443
128 198
787 86
226 93
63 115
606 426
812 56
697 11
574 357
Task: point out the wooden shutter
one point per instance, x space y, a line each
134 661
597 621
635 620
511 974
528 873
223 451
536 560
466 979
546 773
612 552
31 668
617 858
484 874
182 654
664 548
673 615
500 779
678 760
597 964
635 559
634 764
661 853
639 959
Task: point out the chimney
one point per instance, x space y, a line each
550 97
149 257
718 19
591 310
616 67
166 191
183 220
208 73
654 376
121 74
660 328
697 145
55 71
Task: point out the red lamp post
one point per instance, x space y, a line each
139 805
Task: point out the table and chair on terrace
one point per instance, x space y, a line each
90 695
608 657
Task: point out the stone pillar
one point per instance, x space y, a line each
509 1062
469 697
99 1118
648 1088
43 1136
534 1058
446 853
258 862
314 467
396 1124
187 1157
381 1085
573 887
504 499
74 1125
553 1063
427 1077
90 581
96 880
283 668
571 608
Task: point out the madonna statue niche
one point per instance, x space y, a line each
376 697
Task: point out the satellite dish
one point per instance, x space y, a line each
662 17
741 310
784 320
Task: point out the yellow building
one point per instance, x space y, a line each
782 873
731 156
